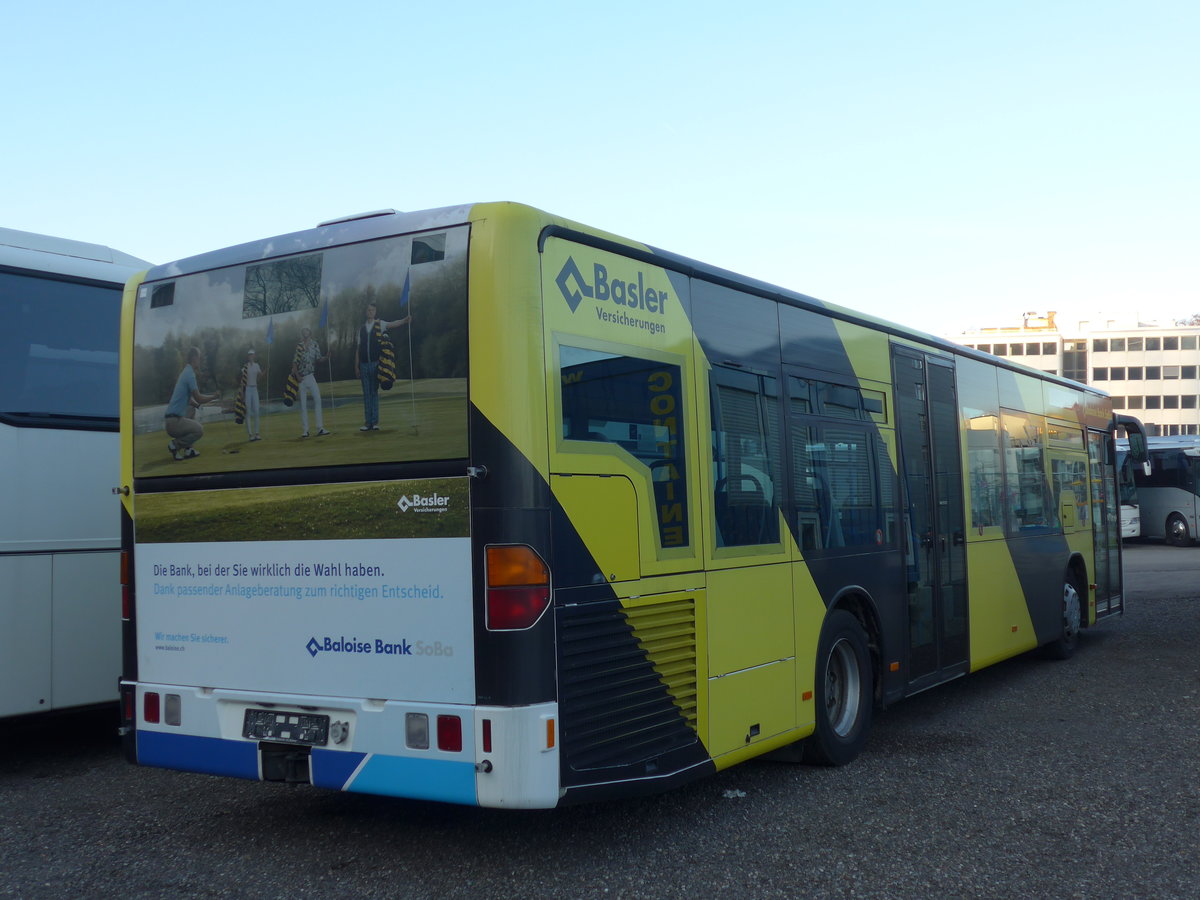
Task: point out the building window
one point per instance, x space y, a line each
1016 350
1171 343
1153 401
1153 343
1187 372
1075 361
1031 349
1118 402
1170 372
1117 345
1189 429
1117 373
1153 373
1100 374
1134 402
1187 401
1187 342
1049 349
1135 344
1000 350
1170 401
1135 373
1100 345
986 348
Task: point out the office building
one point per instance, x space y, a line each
1152 371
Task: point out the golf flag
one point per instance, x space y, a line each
270 332
404 293
324 315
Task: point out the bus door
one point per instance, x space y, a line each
1106 536
935 540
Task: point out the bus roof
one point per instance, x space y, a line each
62 256
388 222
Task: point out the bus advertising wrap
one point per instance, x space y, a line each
345 355
332 614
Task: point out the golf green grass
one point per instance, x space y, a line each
427 423
302 512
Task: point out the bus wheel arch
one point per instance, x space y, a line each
845 686
1177 532
1072 611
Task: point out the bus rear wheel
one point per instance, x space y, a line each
843 693
1177 531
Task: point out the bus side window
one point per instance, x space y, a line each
635 404
746 458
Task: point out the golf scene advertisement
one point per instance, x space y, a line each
348 355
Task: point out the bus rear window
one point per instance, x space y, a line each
347 355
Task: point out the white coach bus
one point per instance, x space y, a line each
60 624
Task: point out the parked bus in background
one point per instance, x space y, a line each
60 304
583 519
1167 496
1131 521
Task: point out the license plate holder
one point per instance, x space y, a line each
308 729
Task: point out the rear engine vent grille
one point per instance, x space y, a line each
615 700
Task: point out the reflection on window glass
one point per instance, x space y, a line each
1029 508
636 404
58 347
1070 486
843 489
283 285
983 464
746 458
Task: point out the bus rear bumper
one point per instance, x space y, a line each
505 757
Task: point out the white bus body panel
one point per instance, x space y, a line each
60 601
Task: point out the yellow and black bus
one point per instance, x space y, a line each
482 505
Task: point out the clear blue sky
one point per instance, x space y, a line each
937 163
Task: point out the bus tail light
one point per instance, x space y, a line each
150 707
449 734
518 587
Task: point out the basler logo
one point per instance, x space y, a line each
634 298
424 503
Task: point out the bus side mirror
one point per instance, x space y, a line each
1136 433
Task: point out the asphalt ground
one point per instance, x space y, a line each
1031 778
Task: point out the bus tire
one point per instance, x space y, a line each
844 692
1064 646
1177 531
